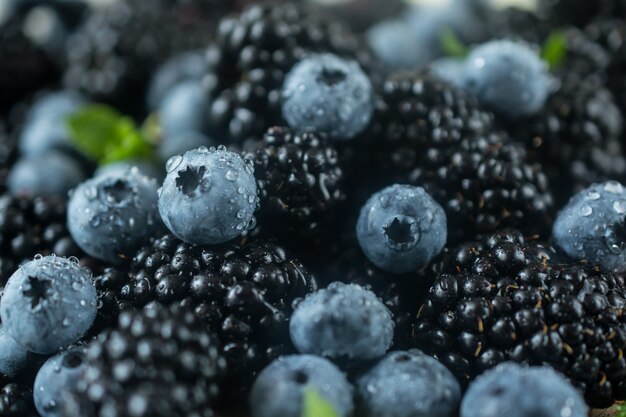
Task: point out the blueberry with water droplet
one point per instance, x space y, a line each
109 215
280 388
592 226
401 228
208 197
41 305
58 378
514 390
508 77
328 94
408 384
342 321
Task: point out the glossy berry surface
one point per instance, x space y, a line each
343 320
401 228
48 304
215 185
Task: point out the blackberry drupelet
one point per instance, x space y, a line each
253 52
435 136
16 400
30 226
301 183
157 362
506 298
244 291
111 56
576 137
24 68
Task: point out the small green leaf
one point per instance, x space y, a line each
554 50
621 411
104 135
316 406
452 45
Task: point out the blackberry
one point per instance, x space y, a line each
253 52
16 400
111 56
157 362
432 135
507 298
300 182
576 137
244 291
610 34
24 67
30 226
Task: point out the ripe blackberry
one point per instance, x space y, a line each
111 56
576 137
16 400
31 226
506 298
243 291
157 362
432 135
253 52
24 67
300 182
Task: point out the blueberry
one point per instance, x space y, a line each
57 378
508 77
180 142
183 108
408 384
209 196
391 42
48 303
45 127
592 226
328 94
343 320
148 168
513 390
450 70
401 228
280 387
179 68
14 358
49 173
110 217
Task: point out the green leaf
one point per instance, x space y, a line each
452 45
316 406
621 411
554 50
104 135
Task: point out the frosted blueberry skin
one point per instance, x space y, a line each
279 389
183 108
15 358
57 379
513 390
328 94
401 228
209 196
592 226
408 384
508 77
48 303
51 173
150 169
342 321
177 143
111 216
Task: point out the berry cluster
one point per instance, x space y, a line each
287 209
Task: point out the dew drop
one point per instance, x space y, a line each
613 187
173 163
593 195
586 211
619 206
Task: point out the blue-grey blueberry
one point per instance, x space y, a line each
49 173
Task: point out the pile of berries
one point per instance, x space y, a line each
302 208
